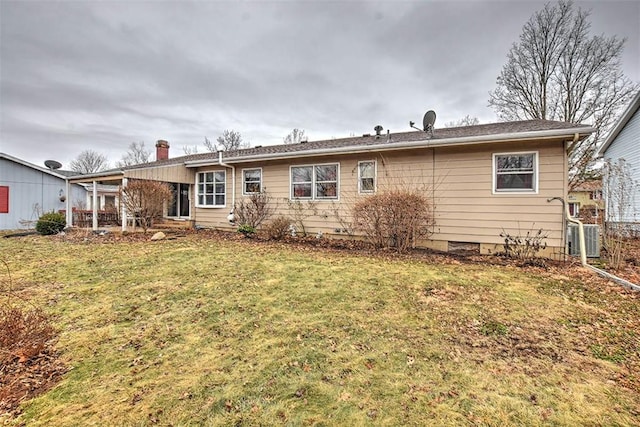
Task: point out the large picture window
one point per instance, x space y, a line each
515 172
251 181
367 176
314 182
212 189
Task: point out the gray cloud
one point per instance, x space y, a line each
99 75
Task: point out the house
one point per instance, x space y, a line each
482 180
27 191
623 143
585 201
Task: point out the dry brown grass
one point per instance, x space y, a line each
205 331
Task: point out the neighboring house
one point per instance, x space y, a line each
27 191
623 143
108 197
482 180
585 201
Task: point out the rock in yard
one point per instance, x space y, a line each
159 236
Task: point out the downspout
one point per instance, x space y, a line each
583 250
231 216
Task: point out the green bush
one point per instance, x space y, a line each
51 223
247 230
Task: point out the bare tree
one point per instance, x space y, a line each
558 71
465 121
190 149
145 200
295 136
135 155
210 145
230 140
89 161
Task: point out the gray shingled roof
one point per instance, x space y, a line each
441 134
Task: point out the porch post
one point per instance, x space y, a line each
68 206
95 205
123 205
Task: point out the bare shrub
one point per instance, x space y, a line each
524 248
618 187
254 210
300 211
145 200
277 228
394 218
24 333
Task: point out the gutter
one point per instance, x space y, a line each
423 143
76 179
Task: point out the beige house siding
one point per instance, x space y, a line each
459 181
173 173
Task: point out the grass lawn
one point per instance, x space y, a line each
203 331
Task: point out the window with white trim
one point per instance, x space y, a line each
318 182
515 172
367 176
212 188
251 181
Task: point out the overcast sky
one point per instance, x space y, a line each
77 75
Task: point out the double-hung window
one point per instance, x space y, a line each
251 181
319 182
515 173
212 189
367 176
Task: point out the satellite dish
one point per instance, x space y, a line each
378 129
52 164
428 120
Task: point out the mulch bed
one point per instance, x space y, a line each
21 381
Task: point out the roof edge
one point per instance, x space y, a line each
424 143
32 166
622 122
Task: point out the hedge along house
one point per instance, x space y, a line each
481 180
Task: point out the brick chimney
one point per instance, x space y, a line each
162 150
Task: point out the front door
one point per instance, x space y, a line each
179 205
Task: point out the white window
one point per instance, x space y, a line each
251 181
314 182
515 173
212 189
367 176
574 209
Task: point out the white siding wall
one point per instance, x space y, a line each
627 146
